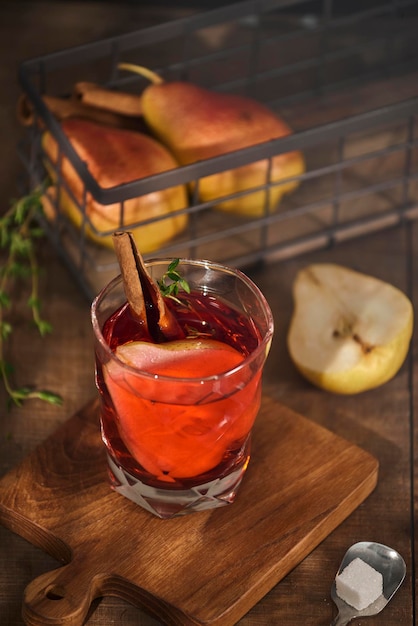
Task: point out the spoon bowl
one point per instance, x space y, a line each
384 560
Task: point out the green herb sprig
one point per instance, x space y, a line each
19 233
176 282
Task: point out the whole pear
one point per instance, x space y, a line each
197 124
113 157
349 331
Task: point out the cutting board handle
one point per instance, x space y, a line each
61 597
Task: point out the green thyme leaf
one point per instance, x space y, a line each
18 232
184 285
172 282
172 266
5 330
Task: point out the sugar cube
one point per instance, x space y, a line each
359 584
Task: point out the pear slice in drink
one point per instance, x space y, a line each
175 427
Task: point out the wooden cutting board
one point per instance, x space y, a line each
205 568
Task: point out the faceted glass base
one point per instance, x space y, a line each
167 503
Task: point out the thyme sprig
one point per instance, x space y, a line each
176 282
19 233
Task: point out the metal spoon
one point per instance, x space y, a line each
383 559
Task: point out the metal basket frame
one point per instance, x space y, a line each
319 20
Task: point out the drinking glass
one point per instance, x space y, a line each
178 438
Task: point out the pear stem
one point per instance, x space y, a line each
142 71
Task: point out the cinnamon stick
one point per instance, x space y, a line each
118 102
64 108
125 253
143 294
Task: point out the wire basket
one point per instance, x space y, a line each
339 75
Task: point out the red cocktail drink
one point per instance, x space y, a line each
177 415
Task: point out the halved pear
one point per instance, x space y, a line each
114 157
349 331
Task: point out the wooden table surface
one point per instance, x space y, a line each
382 421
